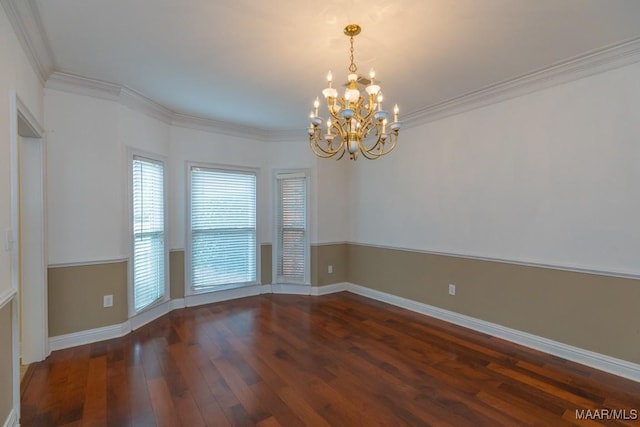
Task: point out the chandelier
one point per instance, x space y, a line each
357 122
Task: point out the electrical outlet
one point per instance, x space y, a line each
330 269
452 289
107 301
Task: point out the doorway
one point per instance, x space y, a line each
30 327
31 242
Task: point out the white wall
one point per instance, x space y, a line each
329 204
551 177
15 74
334 198
189 145
87 176
84 183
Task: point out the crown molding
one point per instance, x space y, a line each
27 25
68 82
234 129
137 101
594 62
73 83
218 126
238 130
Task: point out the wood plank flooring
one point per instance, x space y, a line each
334 360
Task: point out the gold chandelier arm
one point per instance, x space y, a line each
369 110
383 147
330 104
315 142
370 107
327 156
367 127
341 125
323 153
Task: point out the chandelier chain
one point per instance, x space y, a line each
352 67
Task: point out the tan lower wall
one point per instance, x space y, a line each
266 265
6 363
176 274
592 312
76 297
322 256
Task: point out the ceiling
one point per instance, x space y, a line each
261 63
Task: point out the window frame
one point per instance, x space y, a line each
132 153
277 175
188 287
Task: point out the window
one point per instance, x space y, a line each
292 240
222 228
149 255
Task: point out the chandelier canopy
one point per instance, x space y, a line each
356 123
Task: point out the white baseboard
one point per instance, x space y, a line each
89 336
308 289
12 419
599 361
266 289
329 289
585 357
176 304
277 288
149 315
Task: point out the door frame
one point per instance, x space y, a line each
22 123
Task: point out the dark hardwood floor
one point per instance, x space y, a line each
335 360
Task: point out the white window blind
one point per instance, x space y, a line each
148 232
291 220
223 227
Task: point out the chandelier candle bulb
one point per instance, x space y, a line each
396 110
360 122
353 147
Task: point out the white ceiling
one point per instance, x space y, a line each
261 63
